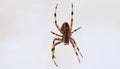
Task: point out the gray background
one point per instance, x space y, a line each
25 38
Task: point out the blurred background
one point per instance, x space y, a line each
26 41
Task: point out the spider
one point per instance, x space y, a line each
66 31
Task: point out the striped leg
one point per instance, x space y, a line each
77 47
53 49
56 34
71 23
76 29
55 16
75 50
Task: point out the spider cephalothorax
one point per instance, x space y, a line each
66 31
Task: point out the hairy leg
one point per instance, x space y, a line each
76 29
53 49
75 50
55 16
56 34
71 23
77 47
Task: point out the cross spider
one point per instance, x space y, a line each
66 31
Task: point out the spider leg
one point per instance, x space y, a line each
76 29
55 16
75 50
56 34
53 49
71 23
77 47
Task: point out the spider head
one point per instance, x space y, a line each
65 24
65 28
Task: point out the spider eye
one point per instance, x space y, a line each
66 24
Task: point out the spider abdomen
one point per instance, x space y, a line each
66 40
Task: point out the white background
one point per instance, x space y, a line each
26 41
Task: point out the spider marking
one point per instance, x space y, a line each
66 31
